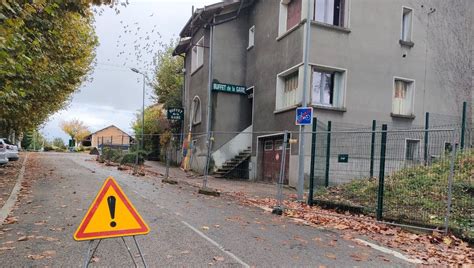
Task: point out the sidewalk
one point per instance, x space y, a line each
249 188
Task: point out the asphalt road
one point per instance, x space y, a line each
187 229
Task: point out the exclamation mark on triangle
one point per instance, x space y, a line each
111 203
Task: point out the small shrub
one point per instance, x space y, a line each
130 158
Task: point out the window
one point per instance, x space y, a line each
293 16
196 110
406 24
279 145
403 97
251 37
330 11
197 58
268 145
327 87
412 150
289 90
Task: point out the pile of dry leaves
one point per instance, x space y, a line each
434 248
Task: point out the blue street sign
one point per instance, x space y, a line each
304 116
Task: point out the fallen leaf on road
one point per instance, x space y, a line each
218 258
22 238
49 253
35 257
184 252
40 223
7 248
205 228
331 256
217 225
51 239
8 242
95 259
11 220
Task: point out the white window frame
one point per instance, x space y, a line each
280 88
410 93
265 145
198 118
197 55
402 30
251 37
341 100
282 18
346 14
419 152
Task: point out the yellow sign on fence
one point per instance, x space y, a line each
110 215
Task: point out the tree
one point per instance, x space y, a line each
76 129
155 125
58 142
168 81
46 50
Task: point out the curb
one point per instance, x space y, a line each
8 206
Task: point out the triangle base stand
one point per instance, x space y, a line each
88 257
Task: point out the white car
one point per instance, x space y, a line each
3 154
11 150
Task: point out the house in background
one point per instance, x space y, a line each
390 61
110 136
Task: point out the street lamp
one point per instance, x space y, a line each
143 109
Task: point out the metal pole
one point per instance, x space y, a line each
129 251
87 259
427 126
140 251
208 159
143 112
209 81
301 155
313 156
372 148
167 162
463 124
328 155
383 148
450 184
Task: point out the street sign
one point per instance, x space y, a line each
343 158
229 88
110 215
175 114
304 116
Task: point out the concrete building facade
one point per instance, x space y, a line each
390 61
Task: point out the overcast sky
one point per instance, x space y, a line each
128 39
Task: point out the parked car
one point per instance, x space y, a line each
11 149
3 154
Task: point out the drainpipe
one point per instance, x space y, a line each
301 156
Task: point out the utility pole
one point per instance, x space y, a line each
301 156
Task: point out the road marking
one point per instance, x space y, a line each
389 251
216 244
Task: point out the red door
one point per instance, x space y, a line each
272 157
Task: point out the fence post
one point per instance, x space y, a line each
313 156
427 126
167 160
208 159
278 209
372 148
463 124
328 155
383 148
450 184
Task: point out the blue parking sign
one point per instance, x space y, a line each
304 116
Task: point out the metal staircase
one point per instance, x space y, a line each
231 165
